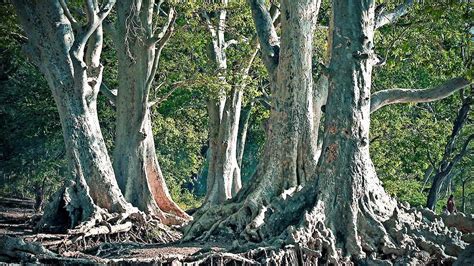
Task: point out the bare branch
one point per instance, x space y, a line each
67 13
391 96
95 15
110 94
163 98
162 40
165 29
230 42
458 156
385 18
168 29
267 36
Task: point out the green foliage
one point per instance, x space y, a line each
31 145
423 49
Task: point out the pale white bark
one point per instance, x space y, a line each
223 178
74 79
388 17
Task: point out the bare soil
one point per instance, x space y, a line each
17 218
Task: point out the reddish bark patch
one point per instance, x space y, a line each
332 129
332 153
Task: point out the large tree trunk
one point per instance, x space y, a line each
448 161
289 153
74 78
136 166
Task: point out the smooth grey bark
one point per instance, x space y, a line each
136 165
289 152
447 163
392 96
243 129
223 176
57 44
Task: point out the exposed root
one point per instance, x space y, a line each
385 231
83 225
16 249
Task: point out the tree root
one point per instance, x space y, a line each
16 249
386 231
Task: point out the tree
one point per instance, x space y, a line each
343 205
289 153
223 175
68 55
449 160
139 48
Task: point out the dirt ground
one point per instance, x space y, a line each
15 221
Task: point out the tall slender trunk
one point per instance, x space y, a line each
223 176
448 161
243 129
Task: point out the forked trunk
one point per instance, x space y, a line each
138 172
223 175
74 78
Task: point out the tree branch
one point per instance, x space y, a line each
267 36
461 154
385 18
391 96
110 94
165 31
67 13
163 98
162 39
95 16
